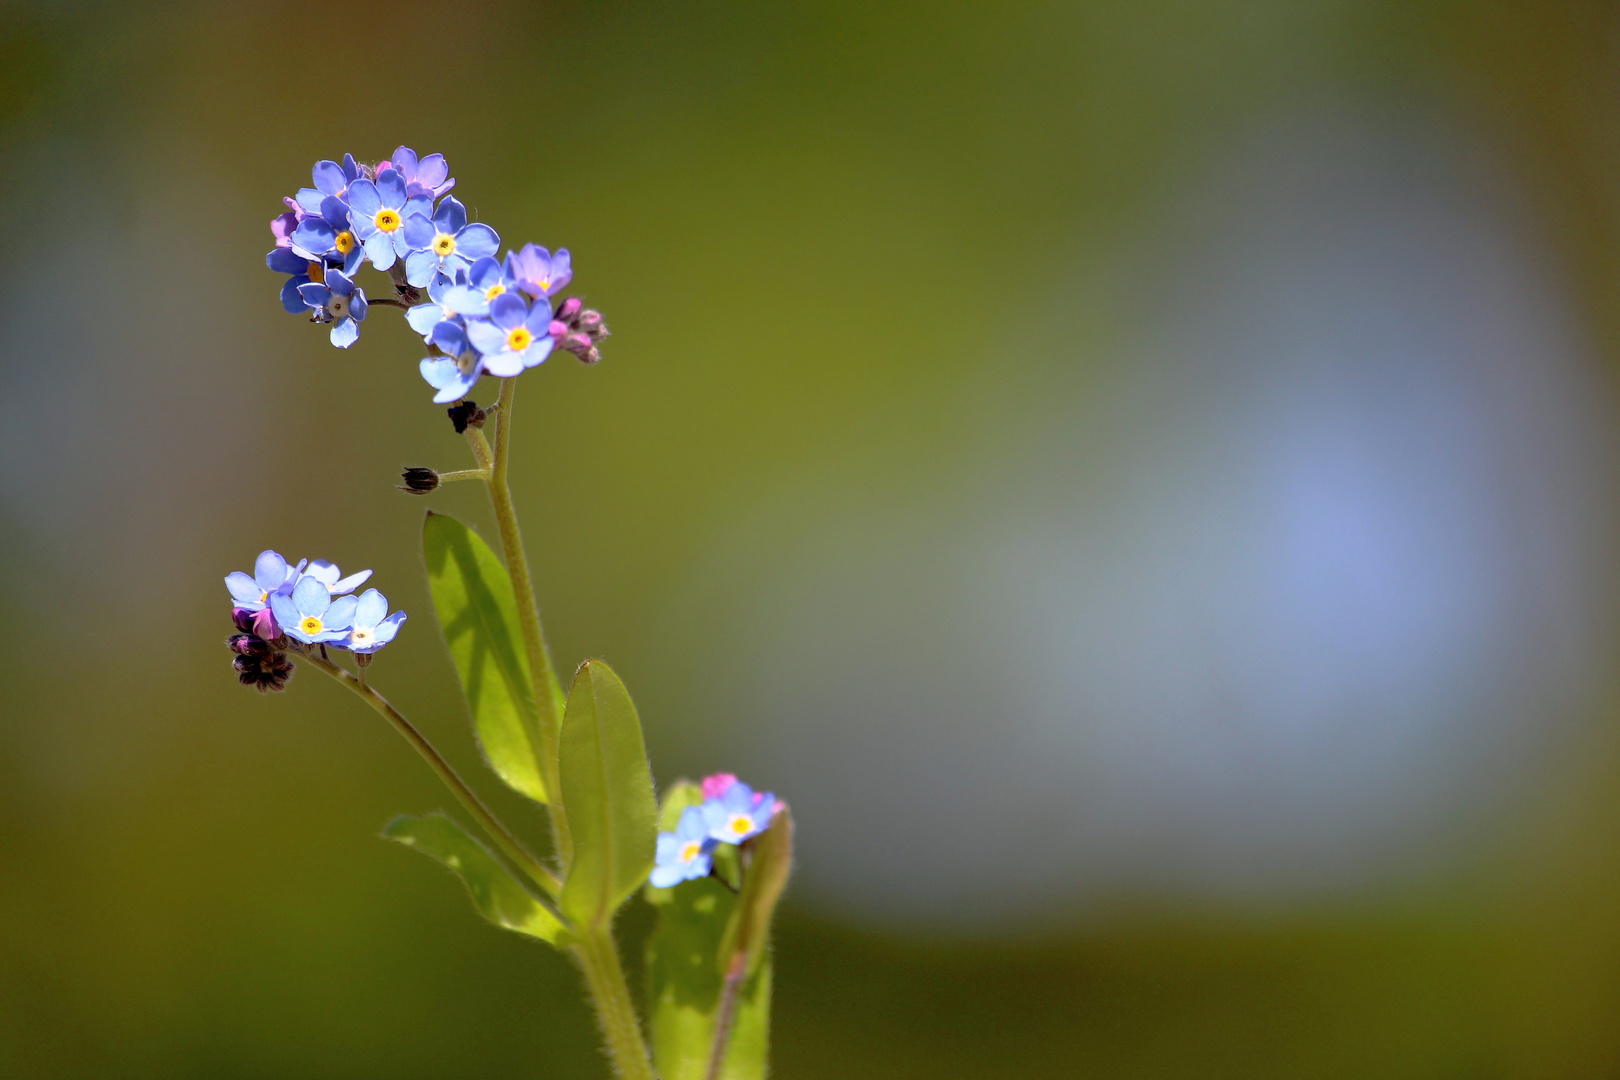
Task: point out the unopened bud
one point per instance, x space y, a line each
466 415
247 645
569 309
591 356
418 480
243 618
264 672
591 322
264 625
578 344
558 330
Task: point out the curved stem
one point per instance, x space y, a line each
548 697
600 961
498 832
726 1014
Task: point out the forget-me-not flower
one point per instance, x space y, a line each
311 615
428 176
299 271
327 235
683 854
271 574
538 272
371 627
390 223
516 336
454 244
330 179
735 814
342 302
453 374
329 575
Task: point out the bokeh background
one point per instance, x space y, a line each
1139 477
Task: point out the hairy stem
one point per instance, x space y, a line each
726 1014
498 832
463 474
605 977
548 698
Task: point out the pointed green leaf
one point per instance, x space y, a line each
684 982
769 863
477 610
607 789
497 895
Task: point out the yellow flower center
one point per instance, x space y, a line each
344 242
444 244
264 598
387 220
310 625
360 637
494 290
741 823
518 338
690 850
545 283
316 272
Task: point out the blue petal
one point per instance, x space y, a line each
338 283
336 212
667 849
348 584
364 199
314 235
484 273
439 371
315 295
420 267
244 590
345 332
291 300
465 300
329 178
699 867
664 877
539 318
418 204
431 171
269 571
389 627
358 306
390 188
508 310
309 200
536 354
423 317
370 609
287 614
380 250
310 597
404 160
352 261
449 338
476 241
351 168
417 231
451 216
341 614
504 364
486 338
284 261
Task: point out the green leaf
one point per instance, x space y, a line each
477 610
499 896
684 985
770 862
607 789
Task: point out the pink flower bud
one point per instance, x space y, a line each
591 322
557 330
716 785
570 308
264 625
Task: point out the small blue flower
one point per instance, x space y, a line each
538 272
735 814
300 271
271 575
327 235
340 302
310 614
485 280
429 176
371 627
683 854
454 244
330 179
390 223
329 575
454 373
516 336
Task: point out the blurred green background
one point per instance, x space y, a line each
1138 478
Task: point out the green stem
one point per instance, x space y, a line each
548 698
726 1014
463 474
605 977
498 832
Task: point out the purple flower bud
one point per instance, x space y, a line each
558 330
247 645
243 618
591 357
578 344
570 308
264 625
591 322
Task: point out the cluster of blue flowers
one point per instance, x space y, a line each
731 812
482 315
308 602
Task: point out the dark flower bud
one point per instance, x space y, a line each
264 673
466 415
418 480
568 309
243 618
245 645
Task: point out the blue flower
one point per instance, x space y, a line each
300 271
454 244
424 317
271 575
310 614
517 335
330 179
683 854
390 223
454 373
341 303
371 627
735 814
485 280
425 177
329 575
538 272
327 235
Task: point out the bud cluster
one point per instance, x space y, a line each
578 330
